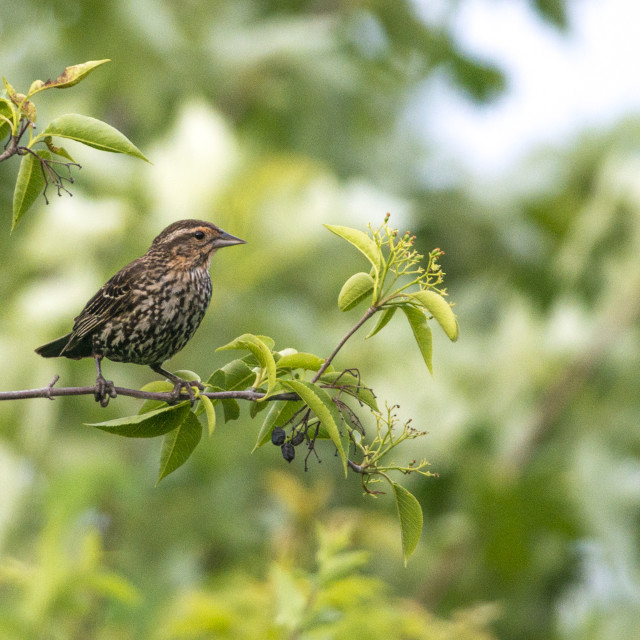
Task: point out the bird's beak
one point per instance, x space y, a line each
227 240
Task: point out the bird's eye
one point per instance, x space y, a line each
199 235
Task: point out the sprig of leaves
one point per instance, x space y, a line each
50 164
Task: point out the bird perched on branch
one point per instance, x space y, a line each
151 308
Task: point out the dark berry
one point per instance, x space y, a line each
278 436
288 451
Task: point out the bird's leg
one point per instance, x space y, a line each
179 383
104 388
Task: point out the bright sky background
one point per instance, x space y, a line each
558 85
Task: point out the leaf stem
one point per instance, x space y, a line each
367 314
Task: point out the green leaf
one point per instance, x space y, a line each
355 290
280 412
360 241
351 385
157 386
231 409
306 361
319 401
29 184
146 425
211 414
68 78
27 108
237 375
441 310
179 444
6 110
422 334
410 514
94 133
261 351
383 319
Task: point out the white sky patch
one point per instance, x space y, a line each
557 84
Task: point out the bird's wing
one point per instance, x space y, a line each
113 296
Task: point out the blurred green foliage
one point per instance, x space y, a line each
271 119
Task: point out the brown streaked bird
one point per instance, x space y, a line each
151 308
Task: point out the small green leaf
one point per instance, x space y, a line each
383 320
146 425
211 414
68 78
280 412
238 375
29 184
179 444
410 514
319 401
6 110
94 133
306 361
360 241
422 334
351 385
262 353
441 310
60 151
358 287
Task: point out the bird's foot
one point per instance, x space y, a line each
105 389
188 386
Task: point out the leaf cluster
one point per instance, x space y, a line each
44 163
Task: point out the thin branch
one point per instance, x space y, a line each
367 314
11 149
50 392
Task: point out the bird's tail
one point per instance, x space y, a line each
54 349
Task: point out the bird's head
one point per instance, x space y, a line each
190 244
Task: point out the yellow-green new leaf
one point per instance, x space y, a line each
300 360
319 401
29 184
260 351
360 241
179 444
68 78
358 287
422 334
440 309
410 514
94 133
146 425
211 414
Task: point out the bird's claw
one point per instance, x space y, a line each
187 385
105 390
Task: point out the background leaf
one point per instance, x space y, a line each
358 287
68 78
179 444
94 133
410 514
360 241
319 401
29 185
146 425
440 309
421 332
